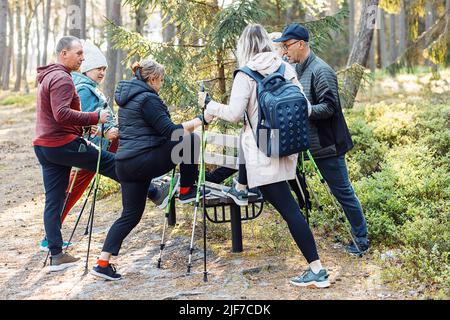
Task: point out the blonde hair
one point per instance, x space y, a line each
147 69
254 40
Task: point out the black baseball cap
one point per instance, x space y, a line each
294 31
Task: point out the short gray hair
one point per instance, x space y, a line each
254 40
65 43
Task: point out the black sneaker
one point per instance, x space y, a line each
191 195
162 197
108 273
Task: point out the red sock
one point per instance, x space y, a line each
103 263
184 190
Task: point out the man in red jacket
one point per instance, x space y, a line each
58 143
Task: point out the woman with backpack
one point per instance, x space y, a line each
150 145
269 174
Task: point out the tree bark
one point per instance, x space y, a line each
361 48
402 30
141 18
48 9
169 30
351 22
392 38
382 43
38 38
19 47
113 13
10 51
3 37
76 14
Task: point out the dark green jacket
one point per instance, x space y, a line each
329 134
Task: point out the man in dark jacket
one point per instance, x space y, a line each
58 142
329 136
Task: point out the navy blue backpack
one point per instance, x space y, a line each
283 124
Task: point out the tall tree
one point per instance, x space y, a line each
10 51
351 22
38 36
76 13
19 45
392 38
402 37
3 36
30 9
360 50
113 13
382 40
48 9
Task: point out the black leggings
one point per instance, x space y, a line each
135 175
279 195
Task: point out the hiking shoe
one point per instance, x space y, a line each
61 261
353 250
108 273
44 245
162 197
191 195
311 279
239 197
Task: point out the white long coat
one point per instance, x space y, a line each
261 170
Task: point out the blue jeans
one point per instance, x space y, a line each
56 165
334 171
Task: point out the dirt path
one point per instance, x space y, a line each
232 276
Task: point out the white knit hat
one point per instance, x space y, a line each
93 57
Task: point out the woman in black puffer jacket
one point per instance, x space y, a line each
150 146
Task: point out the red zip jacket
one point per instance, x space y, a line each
58 116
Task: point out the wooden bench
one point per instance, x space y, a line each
220 208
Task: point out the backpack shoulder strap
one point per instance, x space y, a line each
252 74
282 69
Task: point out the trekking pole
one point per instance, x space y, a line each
80 214
66 200
333 200
200 184
303 173
166 218
97 180
203 174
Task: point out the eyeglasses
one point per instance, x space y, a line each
285 47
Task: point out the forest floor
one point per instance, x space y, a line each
248 275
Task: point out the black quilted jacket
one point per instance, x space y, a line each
329 135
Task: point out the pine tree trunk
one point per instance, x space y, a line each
38 38
169 30
19 46
3 25
113 13
27 39
383 50
392 38
361 48
351 23
76 14
48 9
141 18
429 20
10 50
402 30
372 62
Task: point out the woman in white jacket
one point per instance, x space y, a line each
255 50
